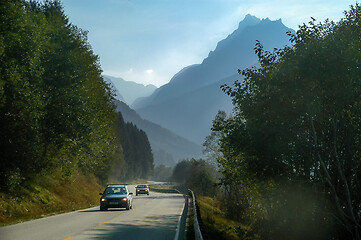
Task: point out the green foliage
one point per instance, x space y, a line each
56 112
48 195
296 123
197 175
218 226
162 173
138 156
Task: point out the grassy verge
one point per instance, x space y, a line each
216 223
163 188
190 221
49 196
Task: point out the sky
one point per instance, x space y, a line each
148 41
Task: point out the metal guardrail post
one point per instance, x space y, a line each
197 230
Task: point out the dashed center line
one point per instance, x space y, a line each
67 238
102 223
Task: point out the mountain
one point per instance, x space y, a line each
167 147
128 91
189 102
191 114
118 95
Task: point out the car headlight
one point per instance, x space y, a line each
124 199
103 199
137 190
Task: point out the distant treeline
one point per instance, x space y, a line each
138 155
290 154
57 114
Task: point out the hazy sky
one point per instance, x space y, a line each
148 41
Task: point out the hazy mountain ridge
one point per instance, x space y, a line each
183 103
163 93
128 91
249 20
167 147
118 95
198 118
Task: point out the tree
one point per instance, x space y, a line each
138 154
162 173
56 111
297 119
198 175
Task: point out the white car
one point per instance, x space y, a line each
142 189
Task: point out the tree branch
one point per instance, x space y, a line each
328 179
344 181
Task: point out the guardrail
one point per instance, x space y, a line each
197 229
180 232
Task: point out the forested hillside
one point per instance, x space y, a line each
138 156
290 155
57 114
167 147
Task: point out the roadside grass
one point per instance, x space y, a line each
129 182
190 220
217 225
162 186
48 196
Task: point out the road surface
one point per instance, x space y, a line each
153 217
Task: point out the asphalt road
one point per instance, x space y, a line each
153 217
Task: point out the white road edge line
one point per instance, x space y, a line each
180 219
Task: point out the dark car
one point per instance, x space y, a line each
116 196
142 189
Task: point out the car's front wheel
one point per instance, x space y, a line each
103 208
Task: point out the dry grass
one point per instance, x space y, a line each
162 186
217 225
49 196
190 221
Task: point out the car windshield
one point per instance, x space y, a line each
115 190
142 186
